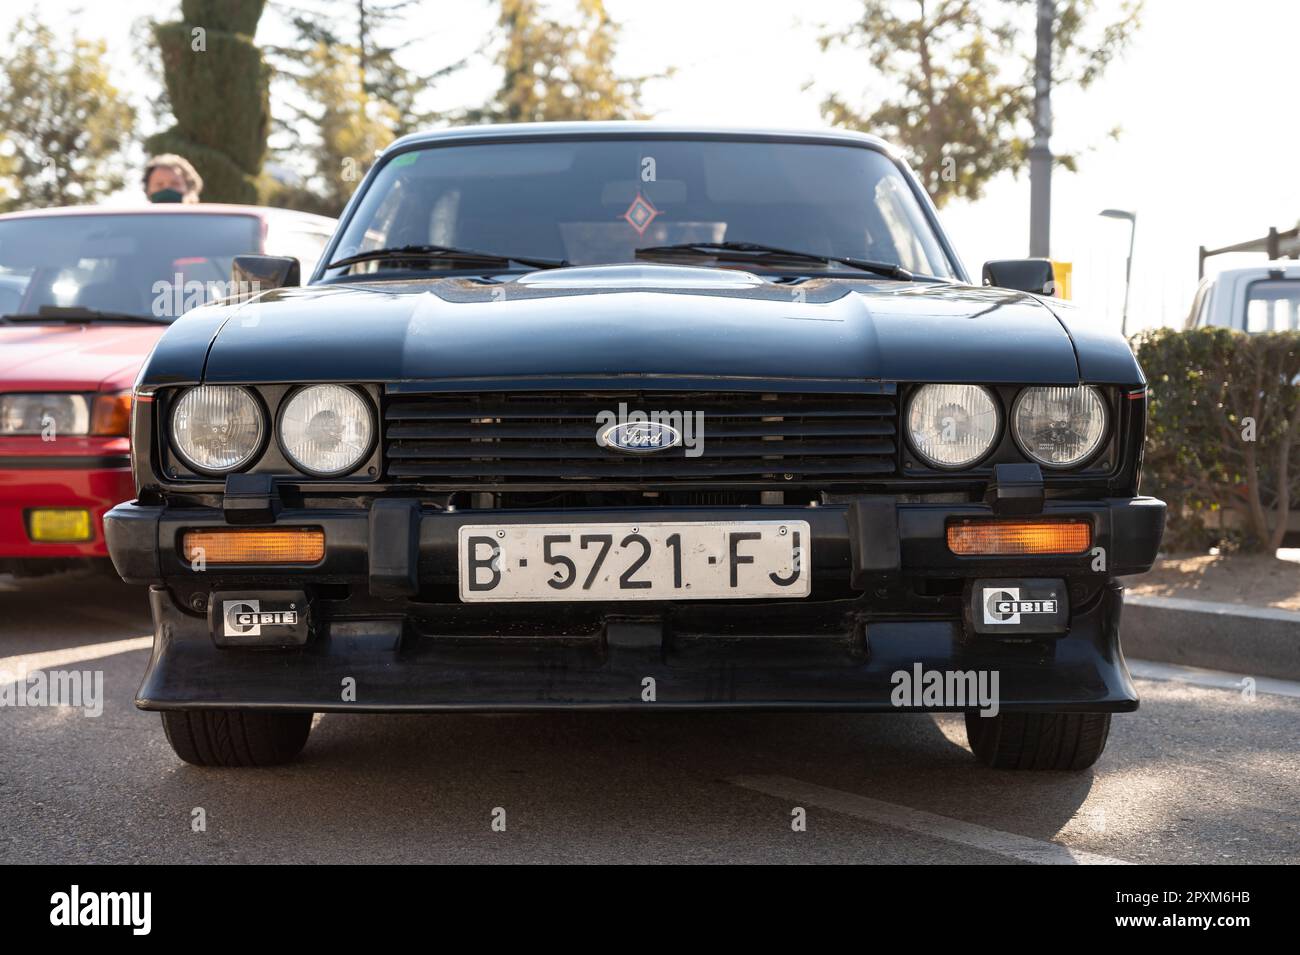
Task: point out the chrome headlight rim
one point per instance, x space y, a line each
258 446
293 462
1102 441
998 427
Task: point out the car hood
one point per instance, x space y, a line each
636 320
70 357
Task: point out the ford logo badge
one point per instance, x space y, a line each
641 437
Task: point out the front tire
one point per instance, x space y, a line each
236 737
1070 741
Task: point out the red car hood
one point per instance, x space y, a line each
37 357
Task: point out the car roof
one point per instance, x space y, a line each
1289 268
634 127
176 208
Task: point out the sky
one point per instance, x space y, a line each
1207 153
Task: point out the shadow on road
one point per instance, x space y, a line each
386 771
69 609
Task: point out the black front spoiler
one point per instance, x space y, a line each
389 634
385 665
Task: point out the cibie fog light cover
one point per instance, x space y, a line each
953 426
1059 427
326 430
217 428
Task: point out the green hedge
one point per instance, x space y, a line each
1223 432
230 16
219 96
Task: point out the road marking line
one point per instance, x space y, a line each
1213 679
30 662
1002 843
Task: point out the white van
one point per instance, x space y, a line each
1258 298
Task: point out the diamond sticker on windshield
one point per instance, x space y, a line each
640 214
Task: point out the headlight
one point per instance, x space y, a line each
953 426
217 428
1059 427
326 430
52 415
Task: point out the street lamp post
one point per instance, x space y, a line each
1040 152
1132 218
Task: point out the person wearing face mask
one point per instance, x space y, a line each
171 178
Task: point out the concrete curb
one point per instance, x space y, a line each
1238 638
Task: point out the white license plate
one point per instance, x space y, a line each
714 560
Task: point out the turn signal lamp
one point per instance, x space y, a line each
111 415
1014 538
260 545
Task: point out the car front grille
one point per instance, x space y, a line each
549 438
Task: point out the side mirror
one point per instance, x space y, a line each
1023 275
261 273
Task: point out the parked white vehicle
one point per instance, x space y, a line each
1255 299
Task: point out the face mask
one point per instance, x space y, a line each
166 195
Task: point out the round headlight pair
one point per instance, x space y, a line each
955 426
324 430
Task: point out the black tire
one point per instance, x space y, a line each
1038 740
235 737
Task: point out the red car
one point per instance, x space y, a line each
84 294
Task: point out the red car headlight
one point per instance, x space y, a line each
47 415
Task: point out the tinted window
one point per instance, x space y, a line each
123 263
596 201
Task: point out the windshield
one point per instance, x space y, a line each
132 263
596 201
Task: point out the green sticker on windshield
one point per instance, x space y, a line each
406 159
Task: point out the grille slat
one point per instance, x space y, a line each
547 406
546 438
544 450
584 431
690 467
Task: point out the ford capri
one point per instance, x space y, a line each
618 416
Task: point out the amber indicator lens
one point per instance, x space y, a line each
111 415
982 538
270 545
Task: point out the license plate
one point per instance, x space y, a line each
714 560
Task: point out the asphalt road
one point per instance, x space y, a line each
1200 774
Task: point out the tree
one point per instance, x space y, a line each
356 31
65 122
351 127
219 87
346 96
559 71
963 71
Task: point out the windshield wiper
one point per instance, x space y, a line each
445 252
758 252
76 314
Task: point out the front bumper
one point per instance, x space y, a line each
388 633
94 483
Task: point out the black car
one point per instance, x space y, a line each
618 416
